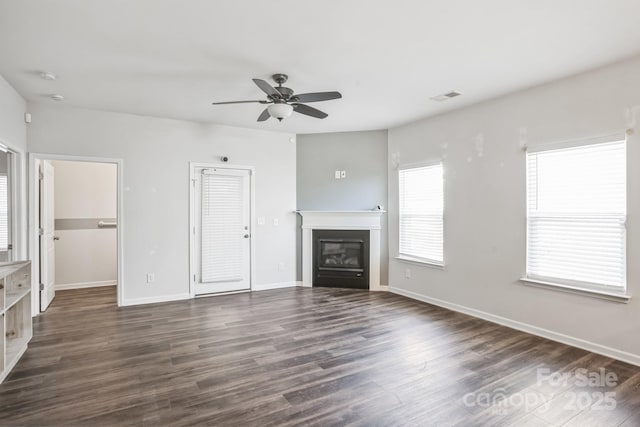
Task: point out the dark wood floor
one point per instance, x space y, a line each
298 357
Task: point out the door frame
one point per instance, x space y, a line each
193 211
34 207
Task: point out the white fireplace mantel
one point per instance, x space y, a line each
341 220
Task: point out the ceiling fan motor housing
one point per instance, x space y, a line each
285 92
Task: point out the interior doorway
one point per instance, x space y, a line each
76 216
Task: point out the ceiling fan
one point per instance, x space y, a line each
283 101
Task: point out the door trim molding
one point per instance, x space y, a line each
192 220
34 205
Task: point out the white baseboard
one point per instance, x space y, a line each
623 356
266 286
66 286
154 300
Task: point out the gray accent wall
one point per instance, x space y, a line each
363 157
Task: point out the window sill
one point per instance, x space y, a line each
595 293
432 264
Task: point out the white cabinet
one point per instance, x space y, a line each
15 310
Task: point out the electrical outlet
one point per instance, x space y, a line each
276 221
151 277
281 266
407 273
260 220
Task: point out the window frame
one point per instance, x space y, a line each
609 292
7 184
15 166
411 258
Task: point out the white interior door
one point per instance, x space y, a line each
47 229
223 230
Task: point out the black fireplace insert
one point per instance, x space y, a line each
341 258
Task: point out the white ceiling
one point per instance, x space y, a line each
172 58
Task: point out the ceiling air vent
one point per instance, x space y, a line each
446 96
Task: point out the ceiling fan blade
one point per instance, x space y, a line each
267 88
264 115
237 102
317 96
309 111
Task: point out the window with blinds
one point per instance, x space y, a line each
576 214
4 213
421 214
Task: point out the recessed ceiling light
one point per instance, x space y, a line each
48 76
446 96
56 97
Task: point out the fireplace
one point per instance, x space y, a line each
368 222
341 258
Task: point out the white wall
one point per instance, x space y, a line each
485 206
85 193
13 134
156 155
13 130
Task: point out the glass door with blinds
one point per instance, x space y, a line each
222 230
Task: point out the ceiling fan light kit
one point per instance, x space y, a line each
283 101
280 111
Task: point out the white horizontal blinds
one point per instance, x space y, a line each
222 222
421 211
4 213
576 215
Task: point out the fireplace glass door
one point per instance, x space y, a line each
342 254
341 258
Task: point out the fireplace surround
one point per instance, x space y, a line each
342 220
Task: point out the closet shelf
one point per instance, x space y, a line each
12 298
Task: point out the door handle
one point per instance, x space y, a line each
246 236
56 238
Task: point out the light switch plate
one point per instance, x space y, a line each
337 174
343 174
